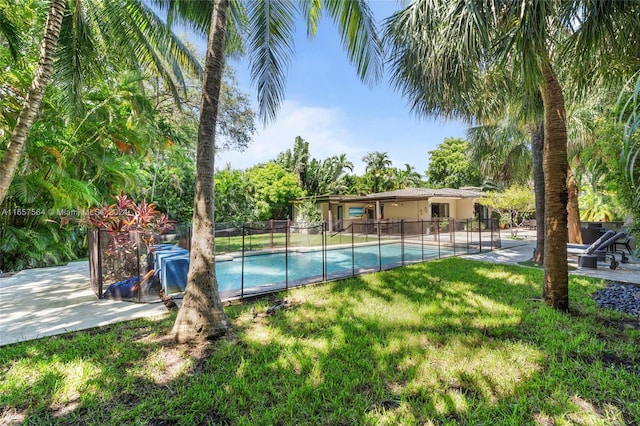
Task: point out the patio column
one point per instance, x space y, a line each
330 215
377 209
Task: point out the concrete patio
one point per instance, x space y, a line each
47 301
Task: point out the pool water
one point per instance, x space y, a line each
276 269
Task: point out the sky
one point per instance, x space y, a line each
328 106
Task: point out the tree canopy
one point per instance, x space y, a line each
450 166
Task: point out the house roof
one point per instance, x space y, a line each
421 193
405 194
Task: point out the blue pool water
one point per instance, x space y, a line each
275 269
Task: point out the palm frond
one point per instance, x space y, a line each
603 44
10 32
123 32
630 154
428 61
359 36
272 29
75 55
312 12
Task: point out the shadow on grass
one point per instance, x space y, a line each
449 341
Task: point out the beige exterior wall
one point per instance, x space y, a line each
407 210
465 209
421 209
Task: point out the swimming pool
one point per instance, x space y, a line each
271 271
265 272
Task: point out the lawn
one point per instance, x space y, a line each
265 241
450 341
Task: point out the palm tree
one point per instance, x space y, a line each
34 97
270 30
406 178
328 176
501 150
441 48
296 161
76 31
377 164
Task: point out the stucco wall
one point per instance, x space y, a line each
465 209
458 209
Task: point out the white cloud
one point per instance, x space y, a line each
324 128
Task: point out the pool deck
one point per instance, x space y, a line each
49 301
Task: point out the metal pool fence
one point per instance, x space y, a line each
263 257
303 253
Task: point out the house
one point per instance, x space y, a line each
403 204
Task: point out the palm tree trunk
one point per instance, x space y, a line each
555 165
201 314
33 101
537 153
573 209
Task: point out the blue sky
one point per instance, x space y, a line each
327 105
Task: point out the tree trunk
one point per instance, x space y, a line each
33 101
555 165
201 315
573 210
537 153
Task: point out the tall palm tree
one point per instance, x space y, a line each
377 164
441 47
33 100
75 32
269 29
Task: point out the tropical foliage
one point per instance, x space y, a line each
514 205
630 152
450 167
444 52
124 132
131 123
272 189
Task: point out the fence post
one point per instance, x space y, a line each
353 252
100 282
137 237
379 246
451 224
467 232
242 269
453 241
422 238
402 241
324 251
286 254
270 233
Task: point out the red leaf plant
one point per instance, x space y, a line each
125 220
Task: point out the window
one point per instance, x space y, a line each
440 210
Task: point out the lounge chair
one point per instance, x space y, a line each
602 247
625 242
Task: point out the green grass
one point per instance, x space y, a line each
266 241
445 342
